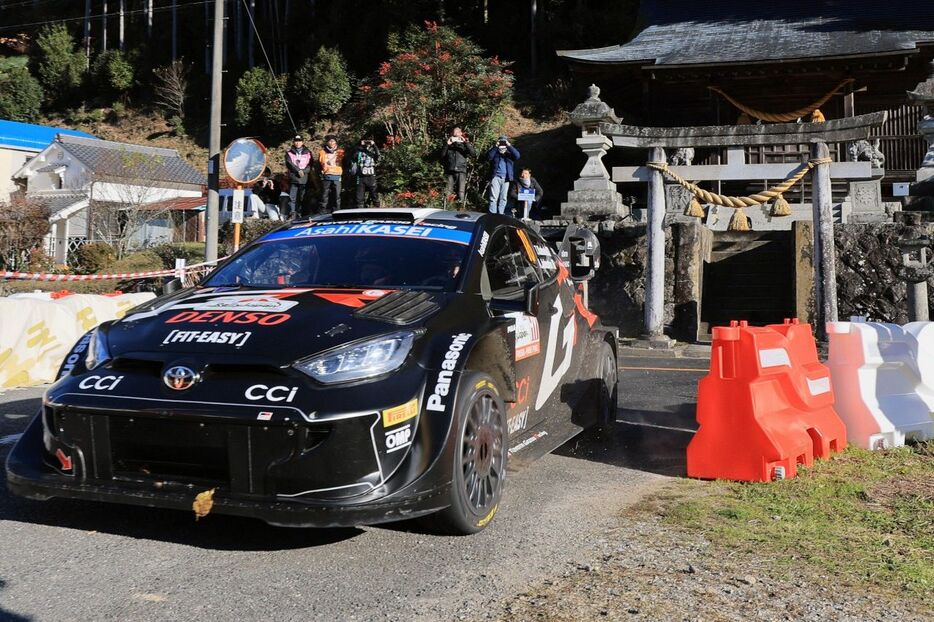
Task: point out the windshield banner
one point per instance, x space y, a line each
367 229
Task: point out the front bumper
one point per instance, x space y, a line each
260 471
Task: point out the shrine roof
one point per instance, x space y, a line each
729 32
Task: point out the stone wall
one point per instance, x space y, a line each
617 292
868 259
867 279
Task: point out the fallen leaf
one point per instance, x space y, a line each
203 503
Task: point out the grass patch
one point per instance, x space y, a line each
866 517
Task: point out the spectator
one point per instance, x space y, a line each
526 183
298 164
454 156
502 157
264 197
330 158
363 167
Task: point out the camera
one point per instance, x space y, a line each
502 143
457 139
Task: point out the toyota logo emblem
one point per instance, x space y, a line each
180 377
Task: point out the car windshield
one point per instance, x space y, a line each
383 261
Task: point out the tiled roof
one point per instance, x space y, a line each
688 32
125 161
59 201
30 137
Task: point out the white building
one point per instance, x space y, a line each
75 174
18 143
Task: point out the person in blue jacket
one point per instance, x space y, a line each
502 157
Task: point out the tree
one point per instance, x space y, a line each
121 207
23 225
321 85
434 81
113 72
58 65
20 94
257 99
171 88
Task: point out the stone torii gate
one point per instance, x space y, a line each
601 129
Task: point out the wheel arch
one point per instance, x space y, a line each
492 355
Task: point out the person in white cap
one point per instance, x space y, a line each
502 157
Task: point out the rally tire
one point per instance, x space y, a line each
607 387
480 454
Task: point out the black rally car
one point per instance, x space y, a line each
362 367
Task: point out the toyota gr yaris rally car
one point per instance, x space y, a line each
363 367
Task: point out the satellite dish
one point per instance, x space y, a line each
245 160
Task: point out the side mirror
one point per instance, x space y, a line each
581 250
533 299
171 286
529 303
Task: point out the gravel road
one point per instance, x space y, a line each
67 560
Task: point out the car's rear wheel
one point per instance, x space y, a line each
480 454
607 387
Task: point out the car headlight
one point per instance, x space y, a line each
98 352
359 360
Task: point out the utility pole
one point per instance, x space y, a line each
214 140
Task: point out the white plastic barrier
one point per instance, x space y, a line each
883 379
35 334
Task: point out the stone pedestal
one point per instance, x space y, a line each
594 193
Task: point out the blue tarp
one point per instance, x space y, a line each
31 137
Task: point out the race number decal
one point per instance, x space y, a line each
551 375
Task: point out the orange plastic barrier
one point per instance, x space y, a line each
765 407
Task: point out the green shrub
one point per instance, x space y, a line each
141 261
58 65
321 85
435 80
257 99
113 72
191 252
178 126
20 94
95 256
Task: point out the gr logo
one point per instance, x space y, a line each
272 394
100 383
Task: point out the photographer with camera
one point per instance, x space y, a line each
363 169
454 154
502 157
298 164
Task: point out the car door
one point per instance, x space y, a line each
510 269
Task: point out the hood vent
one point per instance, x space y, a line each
400 308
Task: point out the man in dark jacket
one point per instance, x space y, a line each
454 154
524 186
502 157
363 167
298 164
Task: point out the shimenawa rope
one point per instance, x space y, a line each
782 117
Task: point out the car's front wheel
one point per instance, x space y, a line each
479 457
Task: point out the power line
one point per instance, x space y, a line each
109 14
275 78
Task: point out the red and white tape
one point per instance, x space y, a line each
39 276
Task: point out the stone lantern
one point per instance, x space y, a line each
594 193
923 95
